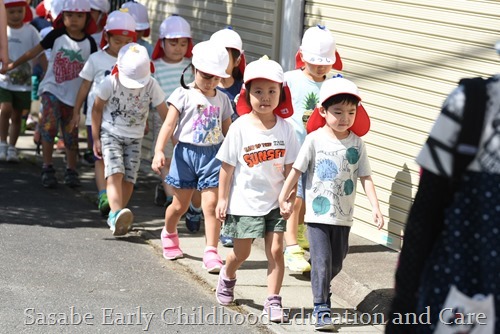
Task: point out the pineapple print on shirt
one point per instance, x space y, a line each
67 65
309 104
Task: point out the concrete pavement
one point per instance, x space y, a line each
361 292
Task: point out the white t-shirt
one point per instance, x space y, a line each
200 117
126 111
333 167
97 67
67 59
436 155
259 157
20 40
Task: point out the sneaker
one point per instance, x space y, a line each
71 178
170 243
49 177
103 204
160 196
88 159
294 259
3 151
322 318
120 222
224 293
226 241
193 219
12 154
273 309
302 236
212 261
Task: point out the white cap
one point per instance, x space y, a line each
134 66
120 20
140 14
175 27
318 46
76 6
264 68
336 86
229 38
212 58
53 7
100 5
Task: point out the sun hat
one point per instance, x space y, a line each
40 9
140 14
80 6
173 27
133 66
318 48
28 14
100 5
231 39
336 86
120 22
76 6
53 8
265 68
211 58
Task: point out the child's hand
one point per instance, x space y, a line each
286 208
75 121
146 129
158 162
378 218
220 210
97 148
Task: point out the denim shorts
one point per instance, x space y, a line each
194 167
121 155
247 227
301 189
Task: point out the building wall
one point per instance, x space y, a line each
405 56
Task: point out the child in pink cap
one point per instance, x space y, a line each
171 57
119 117
257 154
71 46
15 86
198 119
118 31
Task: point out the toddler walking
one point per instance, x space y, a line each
200 116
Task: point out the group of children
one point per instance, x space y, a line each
223 145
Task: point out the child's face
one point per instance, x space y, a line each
175 49
264 95
339 117
74 21
140 33
115 43
317 72
206 83
15 16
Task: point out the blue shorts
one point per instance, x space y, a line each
301 189
194 167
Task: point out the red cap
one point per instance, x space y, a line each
337 65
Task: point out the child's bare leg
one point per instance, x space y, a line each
238 255
179 206
115 190
15 126
127 190
212 225
276 266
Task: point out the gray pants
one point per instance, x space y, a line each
328 248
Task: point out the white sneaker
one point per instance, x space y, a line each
12 154
3 151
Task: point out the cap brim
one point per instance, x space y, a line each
360 127
132 83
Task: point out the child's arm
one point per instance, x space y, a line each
225 177
83 91
162 110
27 56
43 62
97 110
288 192
225 125
4 51
369 187
166 132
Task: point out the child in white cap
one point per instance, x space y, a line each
99 10
333 157
119 31
314 61
140 14
71 46
171 56
200 116
257 154
119 117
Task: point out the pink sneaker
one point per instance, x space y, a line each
225 289
170 243
273 309
212 261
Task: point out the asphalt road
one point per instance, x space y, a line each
63 272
